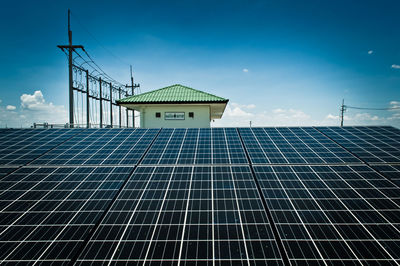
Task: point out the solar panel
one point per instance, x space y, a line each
323 212
371 144
219 196
46 212
196 213
101 147
197 146
292 146
18 147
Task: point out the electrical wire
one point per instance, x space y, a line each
107 50
376 109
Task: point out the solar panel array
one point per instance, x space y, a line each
220 196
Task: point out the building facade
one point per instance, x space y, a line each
176 106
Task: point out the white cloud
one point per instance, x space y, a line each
34 108
248 106
395 66
332 117
245 70
235 116
395 104
370 52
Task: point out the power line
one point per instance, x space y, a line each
102 46
377 109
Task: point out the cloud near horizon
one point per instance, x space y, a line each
239 115
33 109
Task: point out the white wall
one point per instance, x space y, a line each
201 118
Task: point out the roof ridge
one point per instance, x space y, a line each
197 90
174 93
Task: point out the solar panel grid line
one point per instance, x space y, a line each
370 136
212 216
355 155
6 133
240 217
355 217
283 156
26 191
227 145
146 257
311 196
21 162
90 235
47 138
342 136
361 196
129 221
103 145
356 201
37 161
281 248
258 143
119 145
76 213
10 253
330 221
302 223
317 141
300 155
374 130
212 206
185 218
181 146
23 138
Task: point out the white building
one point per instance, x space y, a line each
176 106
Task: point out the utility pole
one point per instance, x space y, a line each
133 86
101 103
70 49
342 110
87 100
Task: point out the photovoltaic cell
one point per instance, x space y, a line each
197 146
392 172
371 144
322 212
19 147
186 214
46 212
292 146
218 196
101 147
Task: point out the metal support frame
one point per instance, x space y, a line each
96 94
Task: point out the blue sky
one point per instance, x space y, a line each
280 63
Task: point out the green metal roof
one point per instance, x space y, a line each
174 94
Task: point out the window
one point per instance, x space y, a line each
191 114
158 114
174 116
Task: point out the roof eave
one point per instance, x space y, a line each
174 102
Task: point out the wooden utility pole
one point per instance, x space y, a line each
87 100
70 49
101 103
133 86
342 110
111 106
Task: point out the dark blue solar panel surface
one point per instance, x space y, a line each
21 146
219 196
371 144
